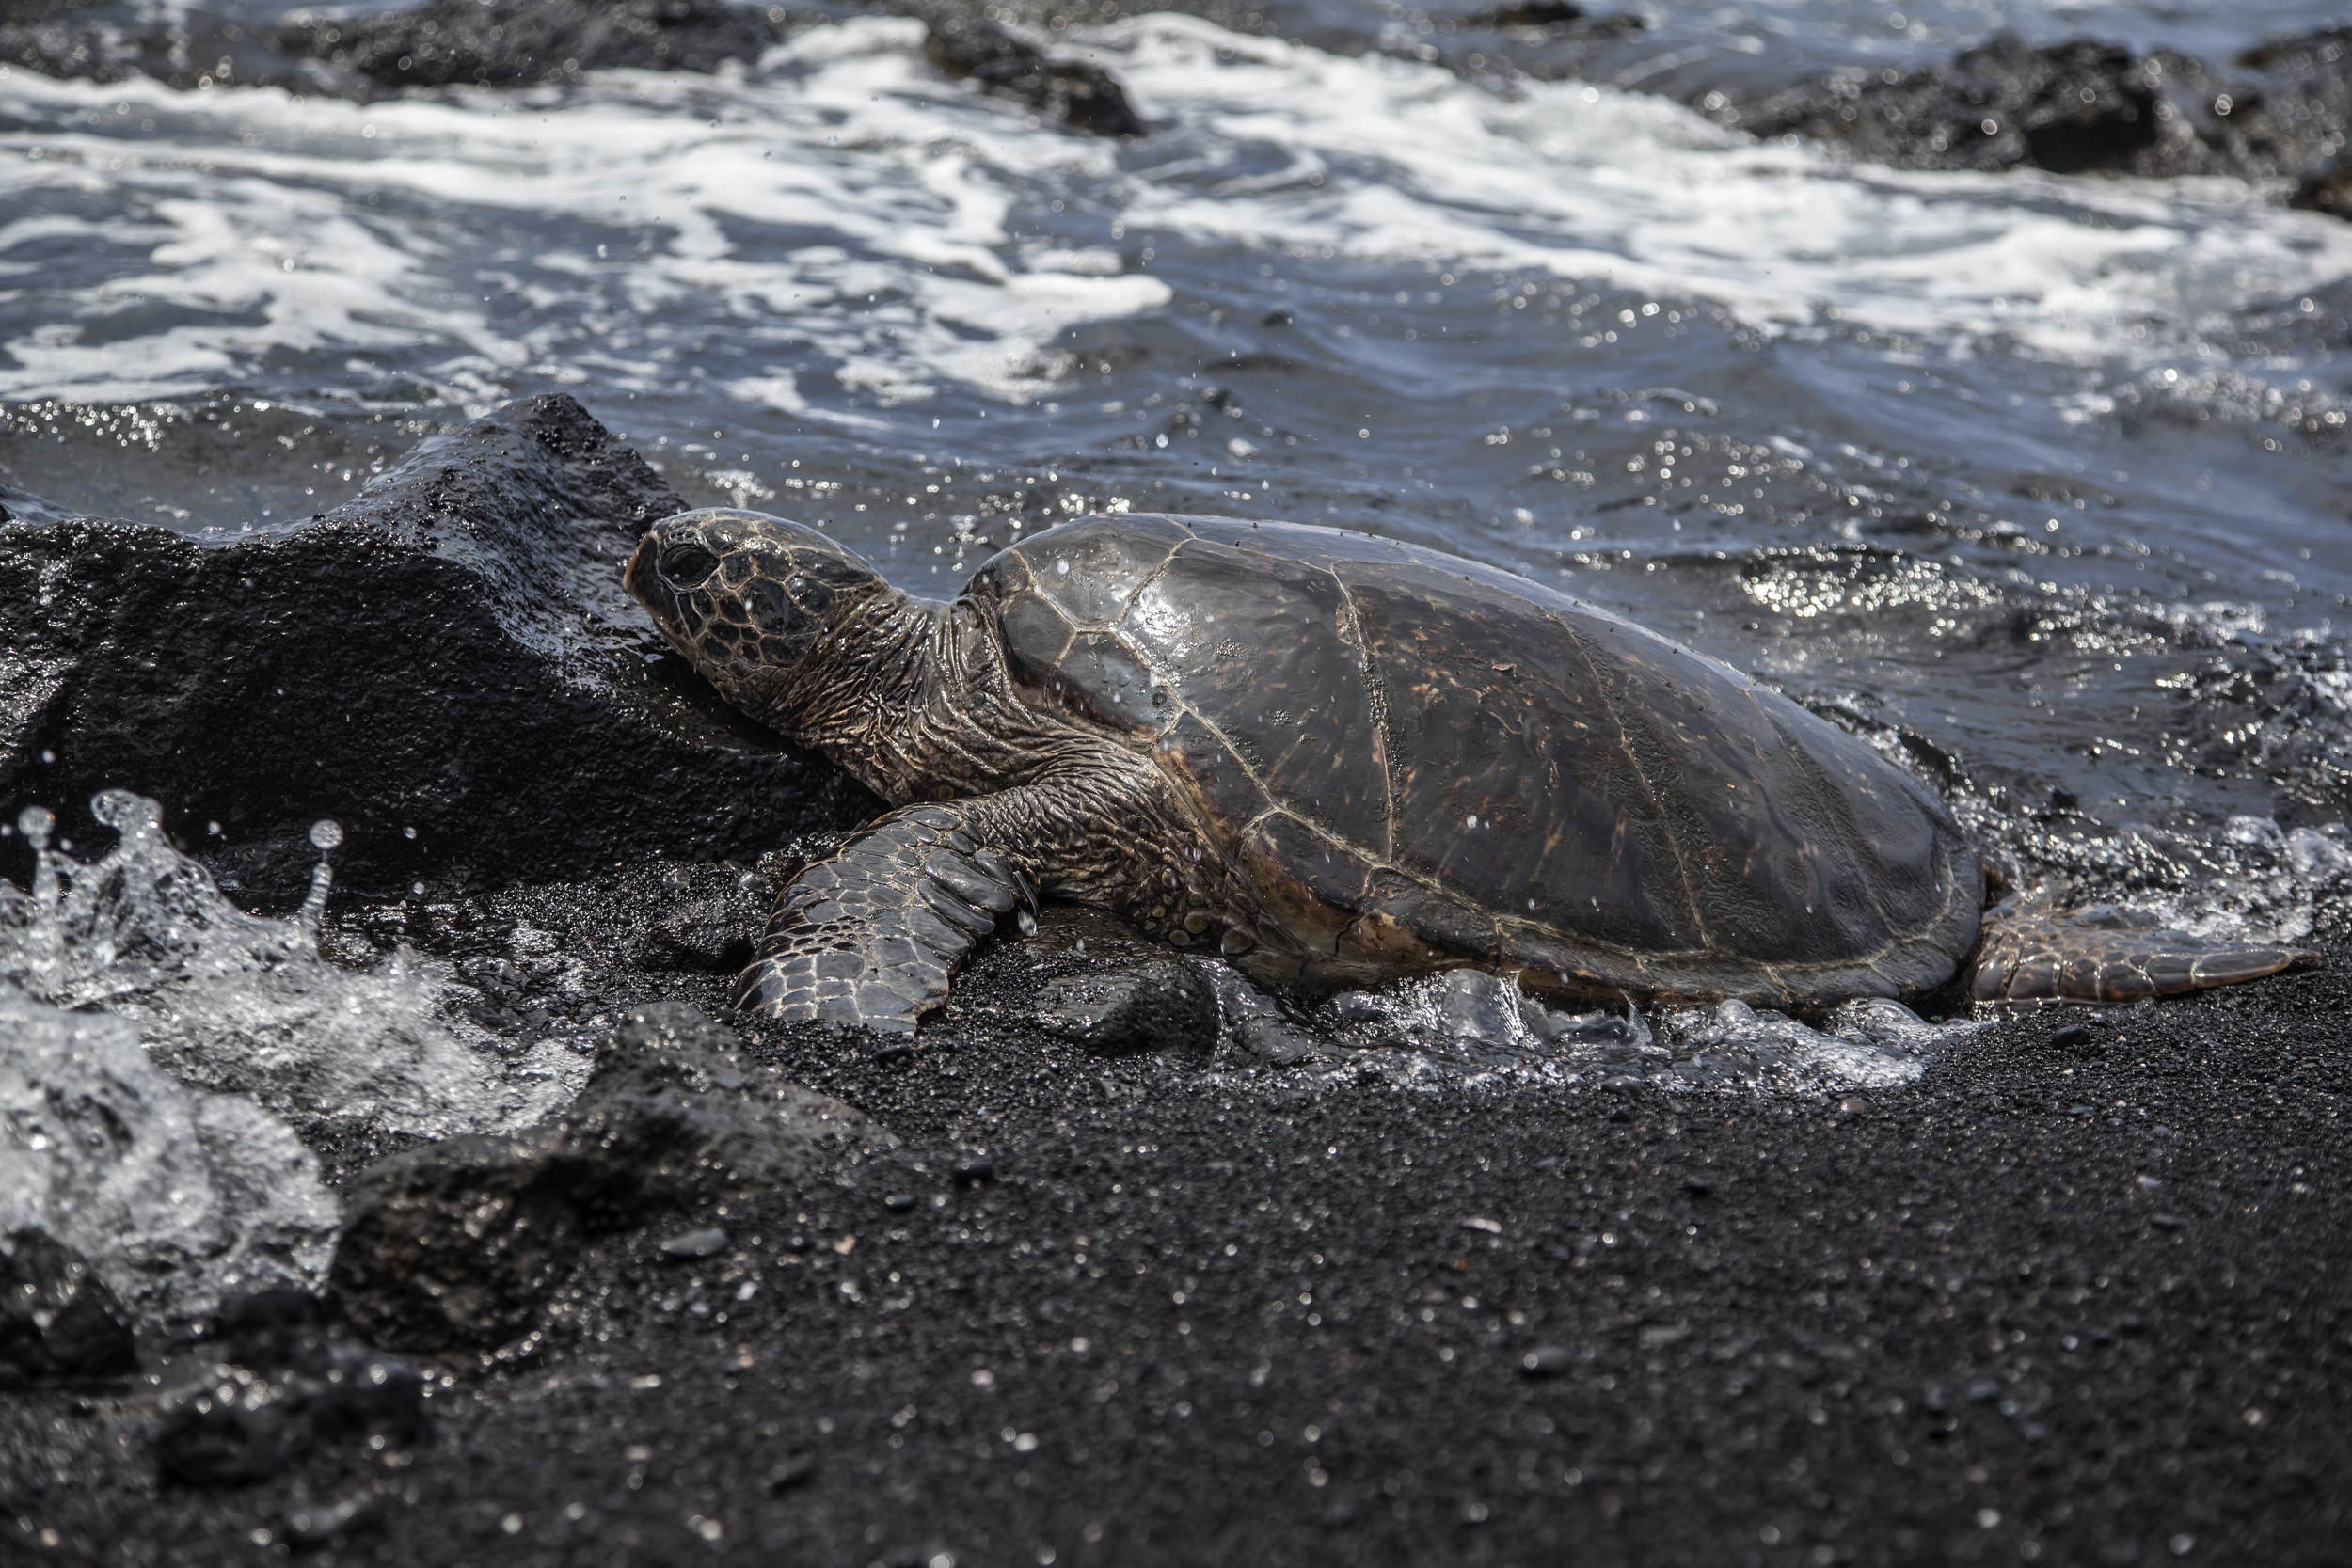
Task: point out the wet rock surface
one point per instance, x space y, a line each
108 41
57 1319
518 44
284 1378
459 1245
2082 107
515 44
1081 96
1157 1005
446 665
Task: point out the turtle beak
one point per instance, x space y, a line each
639 574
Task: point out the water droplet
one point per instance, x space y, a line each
325 834
125 813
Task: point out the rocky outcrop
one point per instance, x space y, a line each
460 1244
95 41
283 1378
57 1319
1081 96
1160 1005
447 665
517 42
2081 106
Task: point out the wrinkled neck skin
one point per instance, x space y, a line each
913 699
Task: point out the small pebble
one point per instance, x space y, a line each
706 1242
1546 1361
797 1471
318 1524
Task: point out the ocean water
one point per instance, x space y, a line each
2038 482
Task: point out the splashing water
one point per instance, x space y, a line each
229 1001
177 1198
1469 1027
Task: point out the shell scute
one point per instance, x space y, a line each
1262 646
1090 569
1417 759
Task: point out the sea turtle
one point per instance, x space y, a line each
1332 757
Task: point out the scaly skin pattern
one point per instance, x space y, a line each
914 699
2030 956
1334 758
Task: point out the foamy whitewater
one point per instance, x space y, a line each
626 231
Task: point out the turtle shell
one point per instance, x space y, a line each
1420 760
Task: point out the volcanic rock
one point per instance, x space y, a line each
2081 106
185 48
516 42
1081 96
711 936
57 1319
1161 1005
285 1379
447 665
461 1243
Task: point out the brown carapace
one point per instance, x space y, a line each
1337 759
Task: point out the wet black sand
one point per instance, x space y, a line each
1173 1312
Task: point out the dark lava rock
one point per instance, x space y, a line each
183 48
1256 1023
456 1245
710 936
516 42
2080 106
460 1244
57 1320
1163 1005
450 653
286 1378
1081 96
2329 192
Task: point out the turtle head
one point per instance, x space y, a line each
750 600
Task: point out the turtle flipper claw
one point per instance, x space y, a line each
2106 955
869 937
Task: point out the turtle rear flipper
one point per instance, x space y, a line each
869 935
2106 955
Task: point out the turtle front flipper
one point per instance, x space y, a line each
869 935
2106 955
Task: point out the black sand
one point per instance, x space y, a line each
2080 1304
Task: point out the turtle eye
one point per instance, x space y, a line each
686 563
